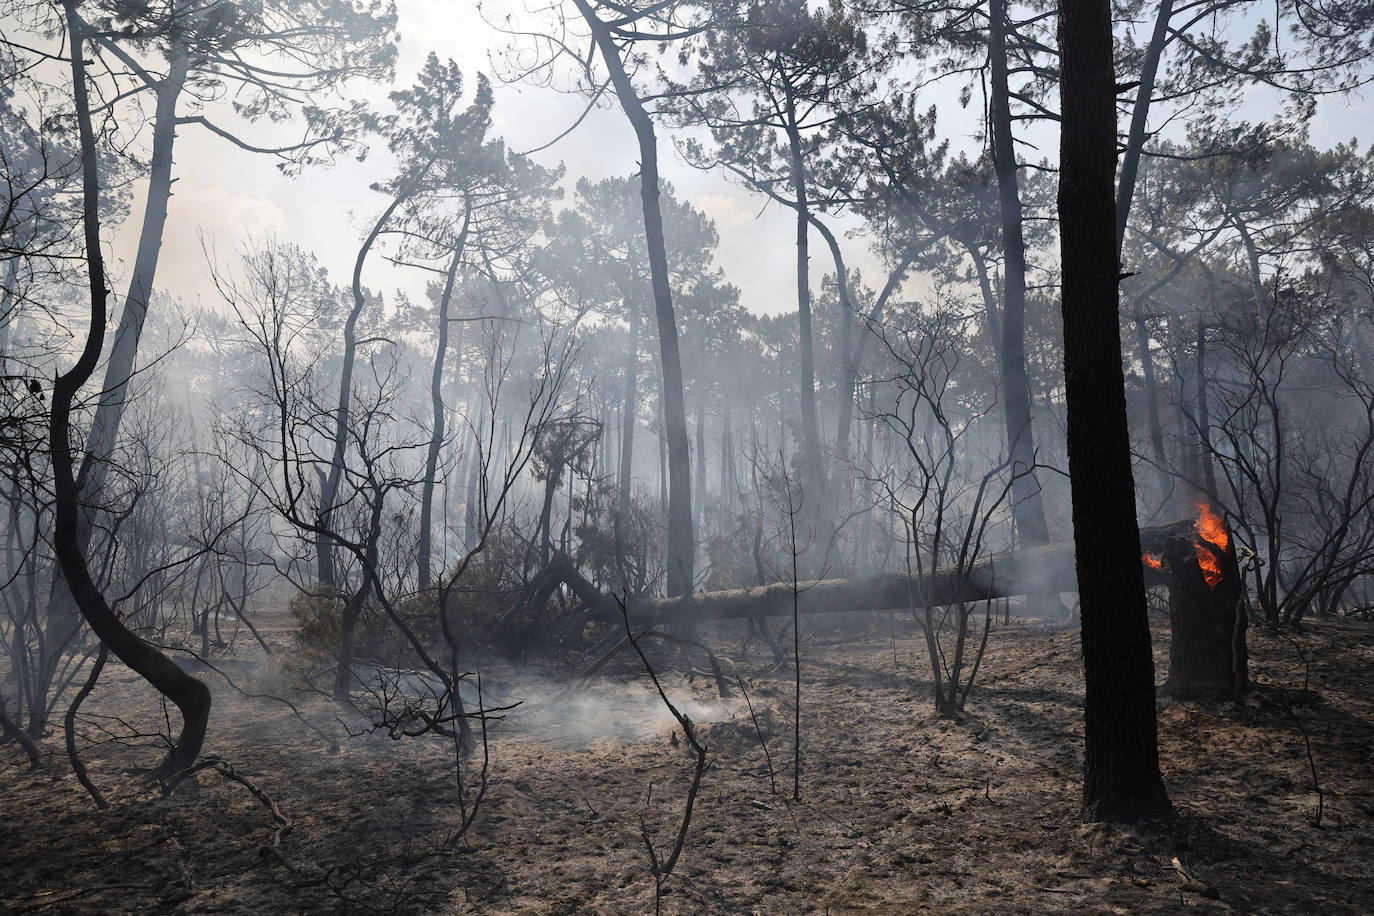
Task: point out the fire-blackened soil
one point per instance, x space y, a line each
900 811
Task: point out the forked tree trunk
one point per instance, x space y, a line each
63 621
191 697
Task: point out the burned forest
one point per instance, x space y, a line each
686 456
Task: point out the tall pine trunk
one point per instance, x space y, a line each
1027 507
1121 779
680 540
813 467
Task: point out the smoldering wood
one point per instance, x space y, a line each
1208 653
1035 570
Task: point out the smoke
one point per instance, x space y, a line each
605 711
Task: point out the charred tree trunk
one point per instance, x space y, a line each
119 368
329 489
1208 655
63 621
1204 420
555 472
353 610
1121 779
1023 572
191 697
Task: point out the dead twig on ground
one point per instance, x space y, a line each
662 869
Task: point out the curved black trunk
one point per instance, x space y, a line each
191 697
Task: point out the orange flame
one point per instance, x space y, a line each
1153 561
1211 529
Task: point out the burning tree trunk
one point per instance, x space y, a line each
1207 650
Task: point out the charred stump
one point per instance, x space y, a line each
1208 656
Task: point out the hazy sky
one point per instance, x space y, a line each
226 195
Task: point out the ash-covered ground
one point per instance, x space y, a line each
900 812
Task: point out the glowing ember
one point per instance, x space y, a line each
1212 530
1153 561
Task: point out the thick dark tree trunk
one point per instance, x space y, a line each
191 697
1121 779
1028 509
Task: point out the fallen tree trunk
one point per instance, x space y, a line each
1036 570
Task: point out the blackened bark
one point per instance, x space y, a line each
12 732
1121 779
63 623
191 697
1208 655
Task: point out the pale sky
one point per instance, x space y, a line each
226 195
